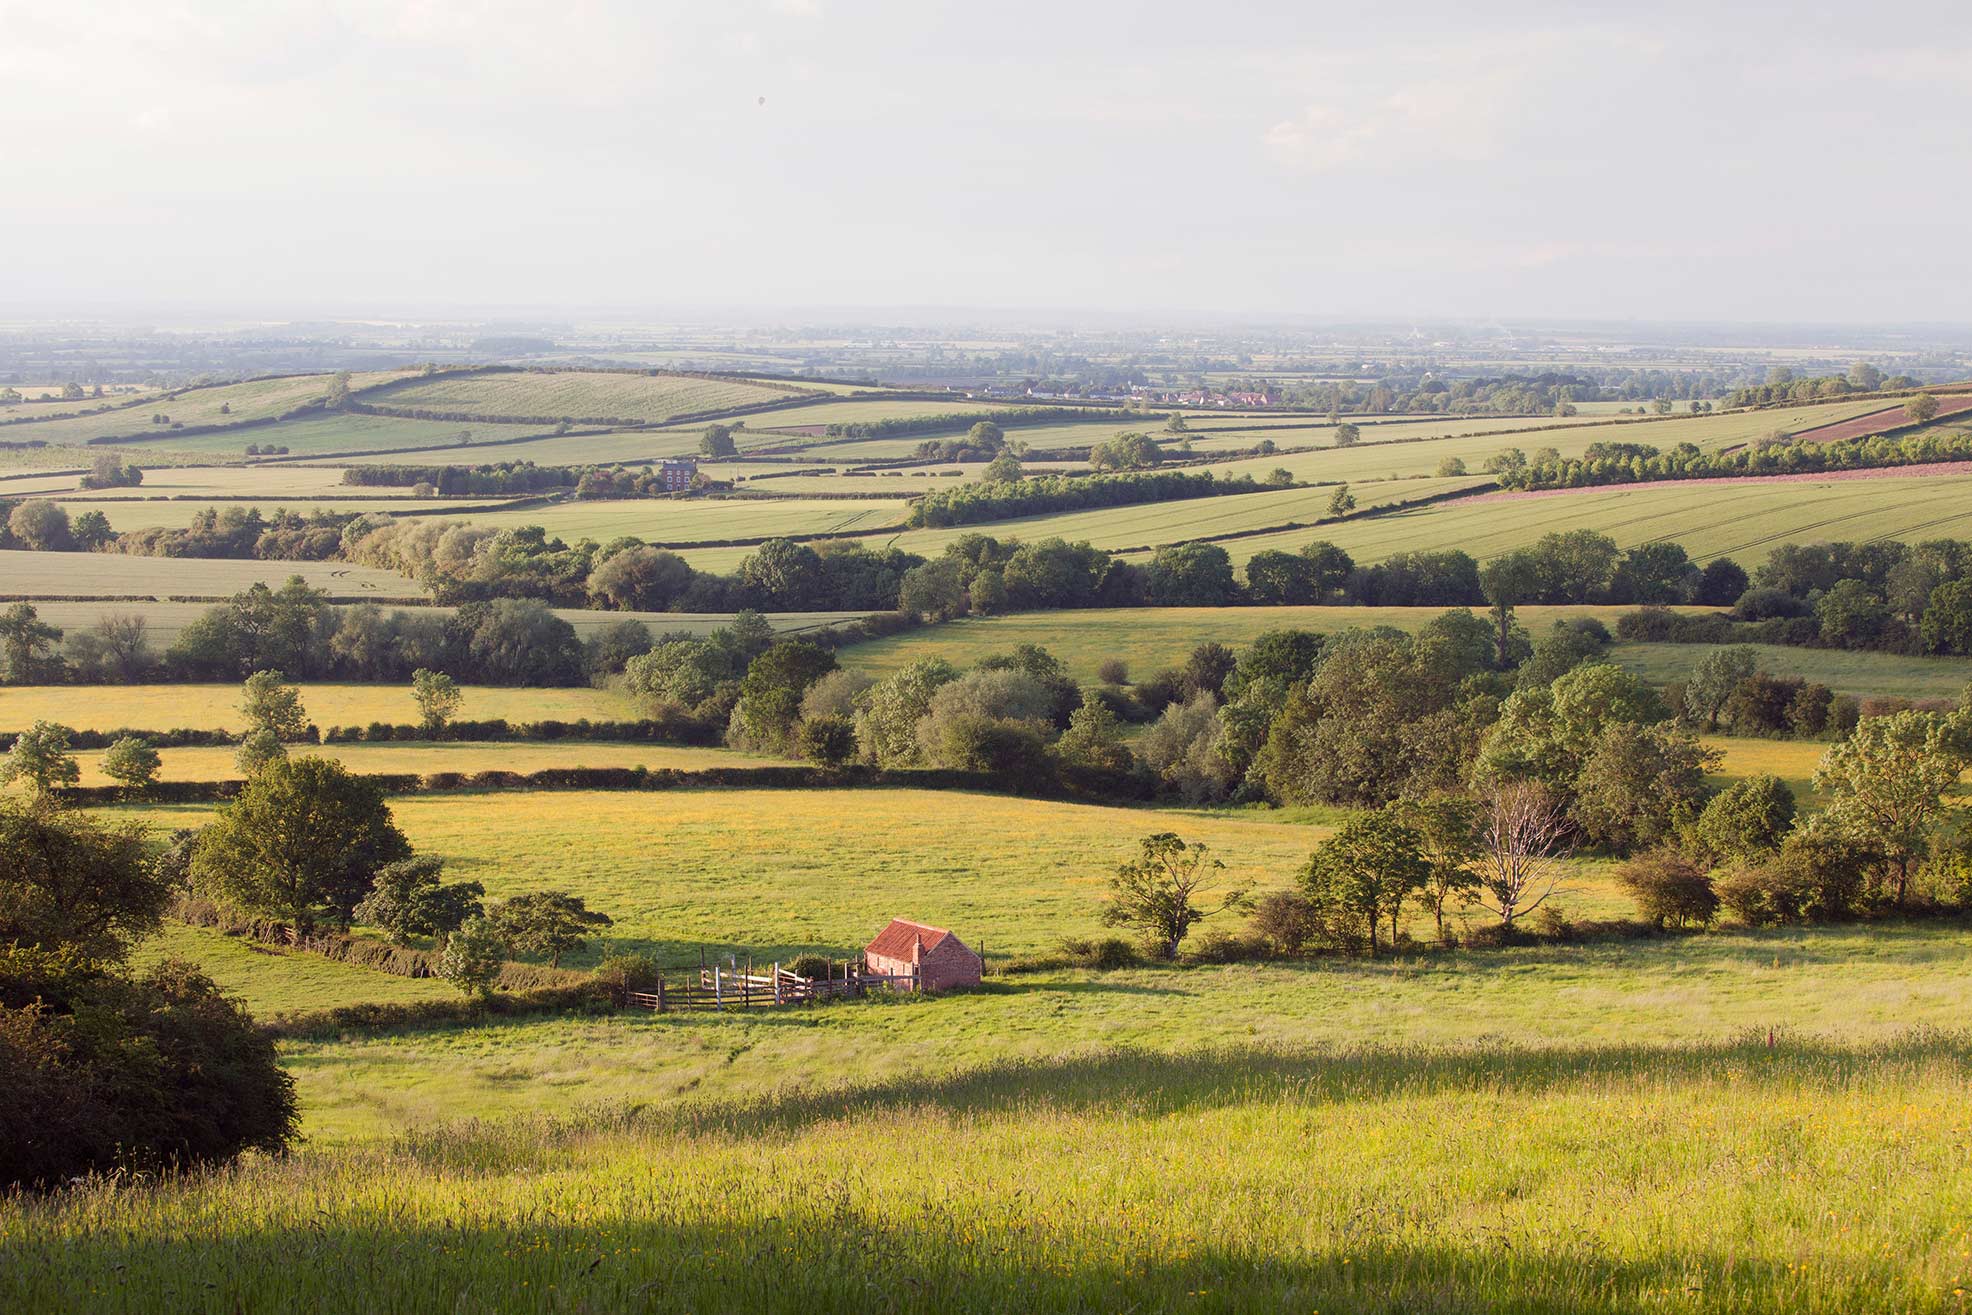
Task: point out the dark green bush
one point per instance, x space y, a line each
100 1073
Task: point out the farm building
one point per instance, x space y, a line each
940 959
678 475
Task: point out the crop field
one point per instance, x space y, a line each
1190 518
274 981
113 575
332 435
578 395
1149 639
139 513
664 520
257 399
205 707
216 763
1744 521
1889 417
278 482
613 446
1864 675
852 410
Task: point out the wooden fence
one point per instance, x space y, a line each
731 988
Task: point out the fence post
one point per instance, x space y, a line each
777 981
660 995
718 991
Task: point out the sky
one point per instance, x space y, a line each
1668 161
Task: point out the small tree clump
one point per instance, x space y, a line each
1670 888
438 699
132 761
41 758
1157 893
472 957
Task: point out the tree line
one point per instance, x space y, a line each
1635 463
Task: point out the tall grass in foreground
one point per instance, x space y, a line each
1805 1177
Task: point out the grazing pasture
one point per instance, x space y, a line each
579 395
112 575
1822 1176
1865 675
274 980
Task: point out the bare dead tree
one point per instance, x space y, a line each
1523 840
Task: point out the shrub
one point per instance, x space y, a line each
1113 671
472 956
1219 946
1286 920
1762 893
814 967
1102 952
620 974
1669 888
100 1072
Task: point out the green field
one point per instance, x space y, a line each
1150 639
277 981
330 435
1550 1130
577 394
206 707
257 399
1861 674
568 450
113 575
669 521
269 483
216 763
1745 522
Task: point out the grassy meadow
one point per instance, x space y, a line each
1865 675
60 575
1553 1132
275 980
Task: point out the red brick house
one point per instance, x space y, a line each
678 475
940 959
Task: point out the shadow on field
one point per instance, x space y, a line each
1148 1084
804 1250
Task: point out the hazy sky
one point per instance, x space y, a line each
1663 161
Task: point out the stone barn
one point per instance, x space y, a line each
940 959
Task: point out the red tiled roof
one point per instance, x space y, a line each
896 940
